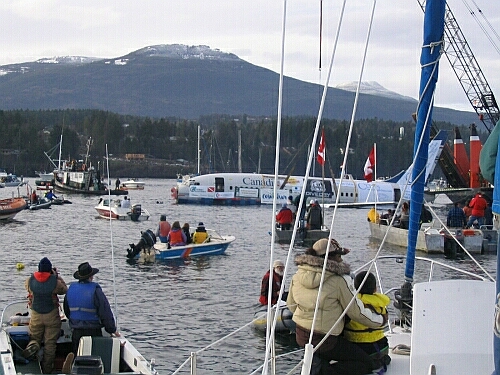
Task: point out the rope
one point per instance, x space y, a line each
115 303
401 349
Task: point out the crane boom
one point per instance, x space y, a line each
468 72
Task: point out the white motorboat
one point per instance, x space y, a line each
133 184
111 355
111 208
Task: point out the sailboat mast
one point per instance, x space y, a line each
199 149
60 151
429 60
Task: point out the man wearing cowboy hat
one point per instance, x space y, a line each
86 306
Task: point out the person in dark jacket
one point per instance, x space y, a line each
456 217
45 323
314 216
87 308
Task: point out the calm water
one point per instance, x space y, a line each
171 309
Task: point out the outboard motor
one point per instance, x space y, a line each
136 212
148 239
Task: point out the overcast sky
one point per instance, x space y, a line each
252 29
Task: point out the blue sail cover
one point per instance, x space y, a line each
429 60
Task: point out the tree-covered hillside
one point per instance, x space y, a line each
170 144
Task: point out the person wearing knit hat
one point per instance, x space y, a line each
200 235
337 292
87 308
43 288
278 270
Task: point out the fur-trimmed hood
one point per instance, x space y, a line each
339 268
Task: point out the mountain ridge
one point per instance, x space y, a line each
175 80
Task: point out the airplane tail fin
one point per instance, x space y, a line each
435 147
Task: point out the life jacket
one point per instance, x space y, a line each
80 297
42 294
199 237
357 332
176 237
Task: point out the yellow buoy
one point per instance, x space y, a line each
20 266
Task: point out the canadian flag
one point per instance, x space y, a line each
321 149
369 165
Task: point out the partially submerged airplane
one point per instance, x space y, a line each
256 189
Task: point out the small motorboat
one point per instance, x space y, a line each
10 207
133 184
147 249
96 355
40 203
109 208
11 180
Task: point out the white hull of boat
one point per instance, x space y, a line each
111 209
133 185
440 309
15 330
429 239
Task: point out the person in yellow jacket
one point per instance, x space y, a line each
200 235
371 340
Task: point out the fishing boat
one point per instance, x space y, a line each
132 184
111 208
80 176
10 207
147 249
96 355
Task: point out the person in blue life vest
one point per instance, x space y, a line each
45 323
87 308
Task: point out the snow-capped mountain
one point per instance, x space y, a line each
372 88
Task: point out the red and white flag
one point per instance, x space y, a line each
370 165
321 149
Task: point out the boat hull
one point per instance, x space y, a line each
110 209
431 239
63 188
214 247
10 207
303 236
284 322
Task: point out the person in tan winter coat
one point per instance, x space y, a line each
337 291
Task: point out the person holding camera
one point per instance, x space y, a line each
45 323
